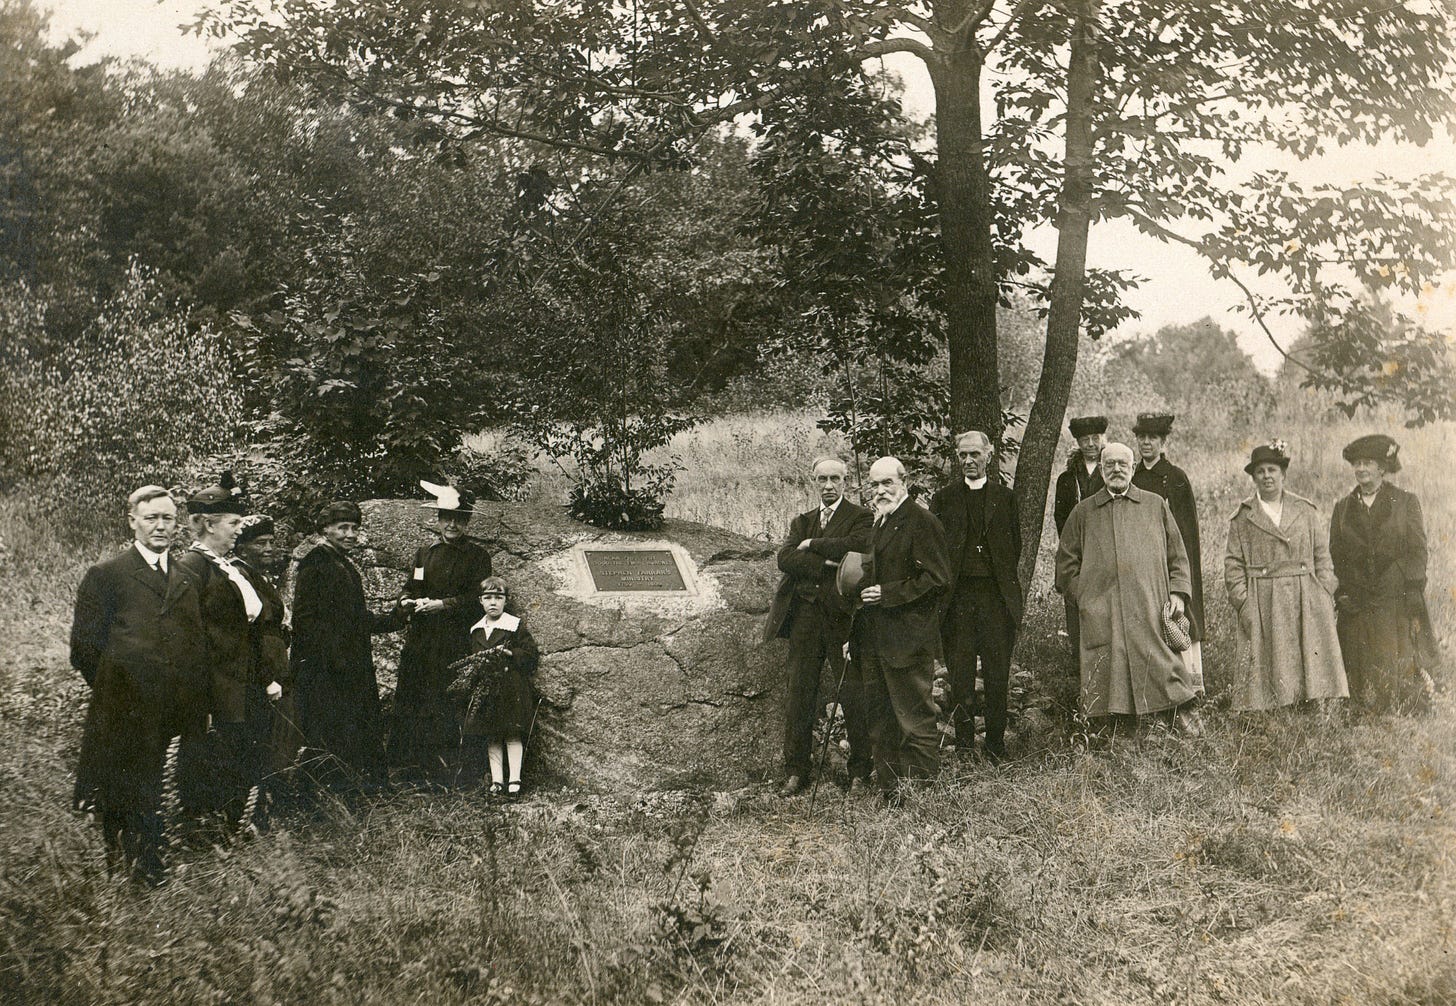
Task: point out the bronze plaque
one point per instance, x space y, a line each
634 569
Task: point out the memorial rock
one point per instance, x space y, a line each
652 670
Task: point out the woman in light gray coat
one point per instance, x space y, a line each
1281 582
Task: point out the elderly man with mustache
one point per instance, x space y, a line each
1121 560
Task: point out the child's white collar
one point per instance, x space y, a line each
507 621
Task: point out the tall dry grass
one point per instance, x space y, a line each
1277 859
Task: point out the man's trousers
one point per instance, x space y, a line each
814 636
902 716
977 624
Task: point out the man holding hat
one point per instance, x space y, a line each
897 634
1155 473
809 612
1080 481
137 640
1121 561
440 602
333 662
1378 546
983 535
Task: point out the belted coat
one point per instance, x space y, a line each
1281 583
1119 560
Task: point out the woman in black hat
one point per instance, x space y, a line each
441 602
1378 543
223 772
1280 581
333 663
1155 473
255 555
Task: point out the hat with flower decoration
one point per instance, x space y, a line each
1274 452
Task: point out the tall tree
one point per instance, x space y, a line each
1101 109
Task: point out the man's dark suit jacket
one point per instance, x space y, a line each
1073 486
912 567
137 639
848 531
1003 534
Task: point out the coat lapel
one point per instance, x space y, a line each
144 573
1260 519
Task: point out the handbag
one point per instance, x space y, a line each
1176 631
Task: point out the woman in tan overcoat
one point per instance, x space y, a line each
1281 582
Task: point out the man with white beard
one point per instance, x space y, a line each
898 631
1121 561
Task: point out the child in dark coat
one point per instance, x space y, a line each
497 678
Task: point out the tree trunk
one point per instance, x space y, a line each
963 192
1059 362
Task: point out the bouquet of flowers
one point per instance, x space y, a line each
480 678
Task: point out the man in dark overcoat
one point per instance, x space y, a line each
897 633
1080 481
809 612
1155 473
137 640
983 536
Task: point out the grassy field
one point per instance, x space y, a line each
1279 859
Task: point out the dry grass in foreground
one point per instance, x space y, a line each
1280 859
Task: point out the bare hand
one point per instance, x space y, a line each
846 650
871 594
804 545
275 691
1175 603
429 605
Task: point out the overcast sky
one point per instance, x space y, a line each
1178 287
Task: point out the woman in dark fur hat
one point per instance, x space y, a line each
333 663
1378 544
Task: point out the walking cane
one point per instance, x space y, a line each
838 691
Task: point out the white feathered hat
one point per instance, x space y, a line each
448 499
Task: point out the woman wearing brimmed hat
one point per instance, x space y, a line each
1155 473
333 663
219 774
1280 581
441 602
1378 543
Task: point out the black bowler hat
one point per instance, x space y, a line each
1086 425
1374 447
225 497
1274 452
254 526
1156 424
339 510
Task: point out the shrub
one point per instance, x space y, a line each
134 401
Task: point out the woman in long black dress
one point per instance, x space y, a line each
255 557
1378 544
440 601
333 663
221 771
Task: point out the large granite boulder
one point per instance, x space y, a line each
637 690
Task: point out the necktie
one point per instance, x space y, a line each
824 517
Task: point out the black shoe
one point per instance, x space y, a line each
513 791
793 785
895 798
996 753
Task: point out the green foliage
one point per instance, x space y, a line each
145 394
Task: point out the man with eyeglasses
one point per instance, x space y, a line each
1121 561
897 634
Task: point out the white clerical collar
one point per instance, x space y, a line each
507 622
975 484
1117 495
157 559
